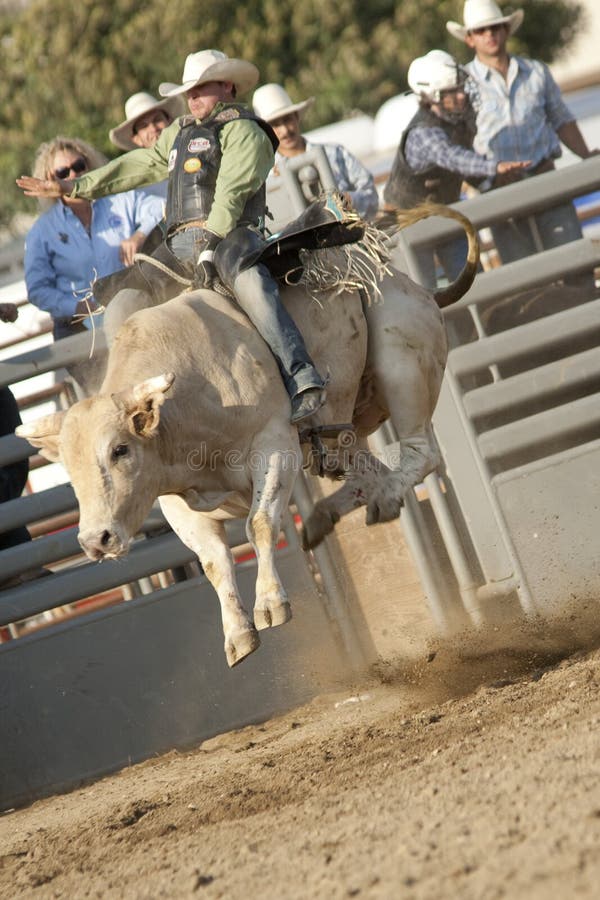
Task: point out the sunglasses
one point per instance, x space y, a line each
78 166
492 28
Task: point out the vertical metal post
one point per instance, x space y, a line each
339 611
525 598
410 259
418 539
481 333
458 560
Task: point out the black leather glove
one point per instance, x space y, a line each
206 272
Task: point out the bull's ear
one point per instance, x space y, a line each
142 403
44 433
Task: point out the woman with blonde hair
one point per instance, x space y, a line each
75 241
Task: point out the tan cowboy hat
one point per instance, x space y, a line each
212 65
479 13
137 106
271 102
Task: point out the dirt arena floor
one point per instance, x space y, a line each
473 772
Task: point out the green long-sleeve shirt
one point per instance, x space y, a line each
247 159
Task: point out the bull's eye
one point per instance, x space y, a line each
118 451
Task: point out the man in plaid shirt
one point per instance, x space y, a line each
435 154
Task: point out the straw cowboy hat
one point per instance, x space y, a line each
212 65
479 14
271 102
136 106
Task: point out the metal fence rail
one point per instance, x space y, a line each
519 413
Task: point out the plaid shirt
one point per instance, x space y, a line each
517 119
428 147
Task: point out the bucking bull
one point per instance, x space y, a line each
193 411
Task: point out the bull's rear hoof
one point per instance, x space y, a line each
272 616
378 513
242 645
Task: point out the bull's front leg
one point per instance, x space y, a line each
206 537
273 478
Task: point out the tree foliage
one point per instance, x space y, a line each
69 65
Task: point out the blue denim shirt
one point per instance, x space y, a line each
517 118
62 259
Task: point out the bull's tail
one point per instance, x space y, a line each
459 287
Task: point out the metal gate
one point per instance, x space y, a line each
518 420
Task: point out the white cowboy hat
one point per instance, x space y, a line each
271 102
479 13
212 65
137 106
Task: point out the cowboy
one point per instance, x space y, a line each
217 160
435 153
521 116
273 104
145 118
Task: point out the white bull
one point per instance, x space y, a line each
192 410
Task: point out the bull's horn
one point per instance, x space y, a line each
45 425
44 434
160 384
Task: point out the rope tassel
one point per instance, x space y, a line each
349 267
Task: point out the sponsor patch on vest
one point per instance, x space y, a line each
172 158
227 115
192 165
197 145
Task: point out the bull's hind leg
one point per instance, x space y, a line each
206 537
273 477
366 483
410 389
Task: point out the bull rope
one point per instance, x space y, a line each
142 257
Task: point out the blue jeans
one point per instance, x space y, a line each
514 239
557 226
452 256
257 293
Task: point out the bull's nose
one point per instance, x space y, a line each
100 544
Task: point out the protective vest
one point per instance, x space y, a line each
406 188
194 163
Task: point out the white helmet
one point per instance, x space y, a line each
434 73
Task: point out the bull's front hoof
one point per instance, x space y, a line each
241 645
317 526
270 617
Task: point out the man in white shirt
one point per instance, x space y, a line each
520 116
